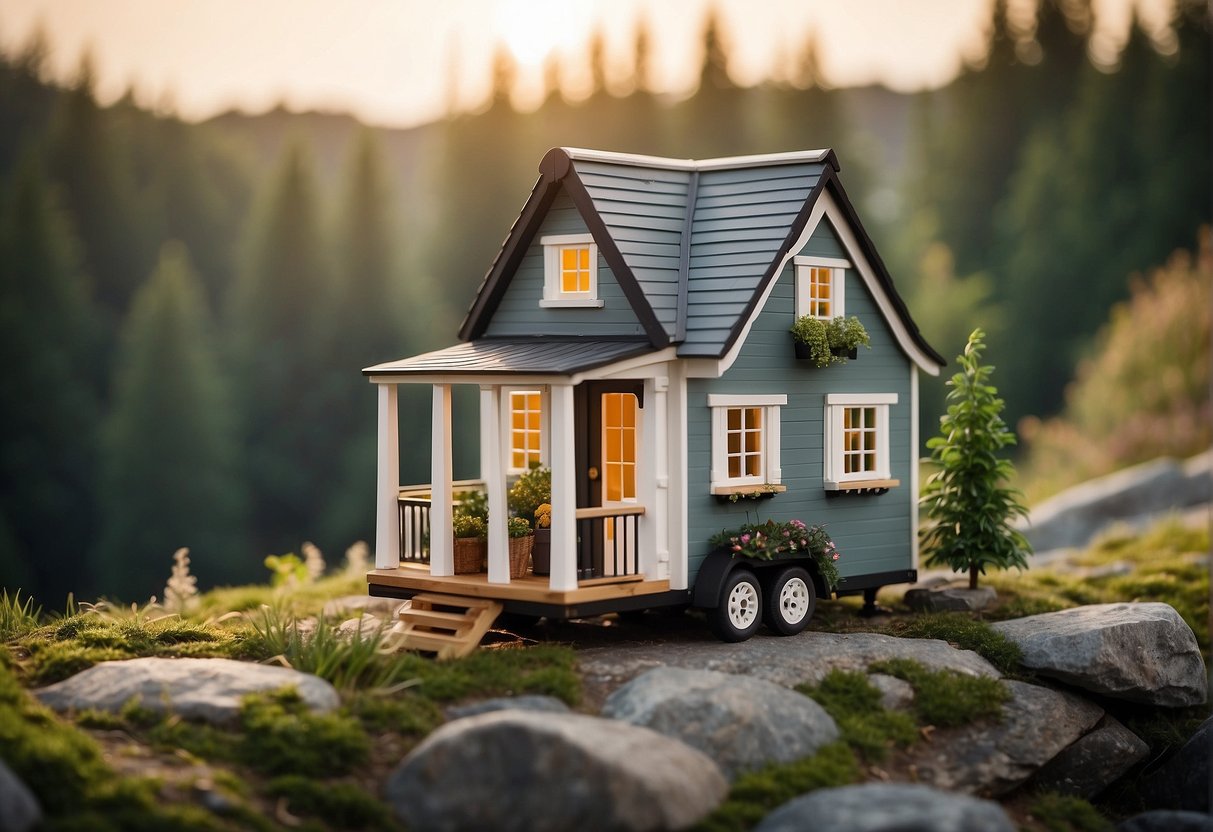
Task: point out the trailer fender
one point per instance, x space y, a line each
713 572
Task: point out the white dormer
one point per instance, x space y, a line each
570 271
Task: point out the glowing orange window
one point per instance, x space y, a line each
821 292
575 270
619 447
525 430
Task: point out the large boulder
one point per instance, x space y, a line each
1142 652
1074 516
887 807
741 722
995 756
530 702
1094 762
1183 781
19 809
546 772
787 661
950 598
209 690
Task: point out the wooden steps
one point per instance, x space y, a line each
449 625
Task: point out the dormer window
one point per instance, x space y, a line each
570 267
819 287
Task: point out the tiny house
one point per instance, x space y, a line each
632 335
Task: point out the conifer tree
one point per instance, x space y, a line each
48 402
169 476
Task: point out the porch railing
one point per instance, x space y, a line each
608 544
414 504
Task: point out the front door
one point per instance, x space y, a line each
613 411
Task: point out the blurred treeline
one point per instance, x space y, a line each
184 309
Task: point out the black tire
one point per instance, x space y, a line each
789 600
738 614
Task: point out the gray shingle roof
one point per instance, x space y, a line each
492 356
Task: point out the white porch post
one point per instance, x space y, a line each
494 480
387 489
442 556
564 491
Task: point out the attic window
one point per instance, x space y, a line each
570 271
819 286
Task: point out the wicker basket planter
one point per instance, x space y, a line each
471 555
520 555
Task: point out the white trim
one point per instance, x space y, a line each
631 367
913 467
494 483
387 483
648 460
660 387
679 536
828 262
833 453
730 400
861 398
826 206
553 293
726 162
442 555
563 576
838 282
771 472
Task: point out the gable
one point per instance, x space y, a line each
518 313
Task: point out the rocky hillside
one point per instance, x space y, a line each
1077 701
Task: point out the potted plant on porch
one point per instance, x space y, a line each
541 552
471 546
521 541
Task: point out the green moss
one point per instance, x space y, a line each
545 669
405 713
281 736
1063 813
945 698
754 795
866 726
342 804
966 633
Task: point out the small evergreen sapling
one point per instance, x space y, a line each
968 505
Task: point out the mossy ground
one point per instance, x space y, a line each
283 767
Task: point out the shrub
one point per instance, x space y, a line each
531 490
968 505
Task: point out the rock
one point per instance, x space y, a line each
365 627
995 757
961 599
895 694
1076 515
202 689
543 704
1167 821
1142 652
1094 762
1183 781
19 809
545 772
741 722
787 661
887 807
385 608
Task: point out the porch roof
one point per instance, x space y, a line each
506 356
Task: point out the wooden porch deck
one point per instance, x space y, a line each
415 577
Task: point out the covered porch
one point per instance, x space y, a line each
602 435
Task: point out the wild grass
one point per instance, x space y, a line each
17 617
756 794
946 698
854 703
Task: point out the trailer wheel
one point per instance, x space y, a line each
739 613
789 601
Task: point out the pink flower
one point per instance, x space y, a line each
835 556
745 538
804 542
736 548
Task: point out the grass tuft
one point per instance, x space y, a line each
17 617
945 698
866 726
1064 813
755 794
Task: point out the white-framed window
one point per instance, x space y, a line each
820 283
745 441
857 440
570 270
524 427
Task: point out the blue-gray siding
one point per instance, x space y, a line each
872 531
519 312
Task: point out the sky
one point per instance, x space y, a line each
400 62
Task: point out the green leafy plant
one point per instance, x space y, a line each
846 334
771 539
469 525
812 333
828 342
472 504
531 490
286 570
518 527
968 505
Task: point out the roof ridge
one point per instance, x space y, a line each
722 163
